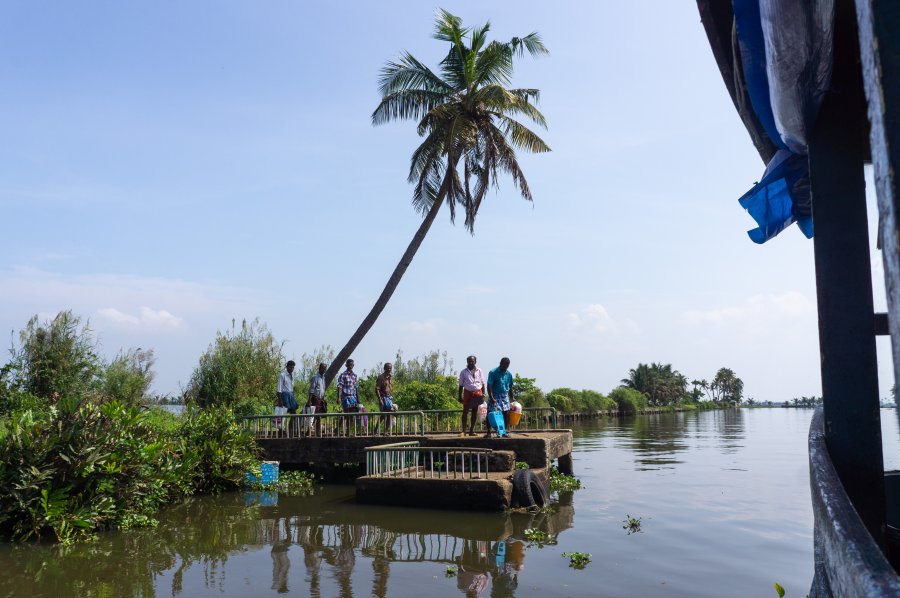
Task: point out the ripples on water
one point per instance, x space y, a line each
723 499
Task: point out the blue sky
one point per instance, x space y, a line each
168 167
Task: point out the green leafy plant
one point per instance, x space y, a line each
521 465
291 483
779 590
632 524
560 482
450 571
577 560
537 537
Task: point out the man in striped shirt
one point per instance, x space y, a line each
348 391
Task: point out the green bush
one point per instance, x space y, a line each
561 403
629 400
128 377
579 401
416 396
239 370
78 468
59 356
590 400
214 452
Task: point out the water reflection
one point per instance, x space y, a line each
314 546
484 556
661 441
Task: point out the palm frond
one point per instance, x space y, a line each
531 42
408 73
507 162
494 65
478 37
521 136
406 104
496 98
448 27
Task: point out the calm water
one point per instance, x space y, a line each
723 498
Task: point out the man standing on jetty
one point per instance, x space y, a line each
286 390
317 395
348 391
471 393
500 391
384 388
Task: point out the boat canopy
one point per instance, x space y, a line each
776 59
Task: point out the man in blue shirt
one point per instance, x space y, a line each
500 391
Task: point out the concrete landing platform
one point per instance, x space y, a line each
537 448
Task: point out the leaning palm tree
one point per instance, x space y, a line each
467 117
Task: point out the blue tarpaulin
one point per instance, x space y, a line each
786 65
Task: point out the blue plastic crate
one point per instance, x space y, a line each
268 473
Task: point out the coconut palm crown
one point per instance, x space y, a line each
467 116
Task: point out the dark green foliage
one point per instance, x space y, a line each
416 396
78 467
214 452
661 384
239 370
726 386
628 400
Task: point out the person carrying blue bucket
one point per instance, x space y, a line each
500 391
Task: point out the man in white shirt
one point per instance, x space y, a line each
286 388
471 393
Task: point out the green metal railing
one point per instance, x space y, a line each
409 460
397 423
450 420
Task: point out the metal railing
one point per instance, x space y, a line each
409 460
323 425
370 539
397 423
450 420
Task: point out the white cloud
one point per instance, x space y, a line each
756 310
158 320
594 318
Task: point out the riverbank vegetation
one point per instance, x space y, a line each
78 452
81 451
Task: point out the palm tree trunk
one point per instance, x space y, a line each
389 289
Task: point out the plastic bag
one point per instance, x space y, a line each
482 412
278 421
308 422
